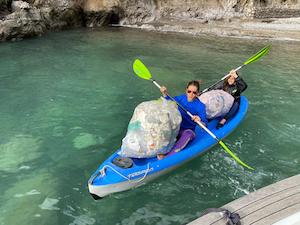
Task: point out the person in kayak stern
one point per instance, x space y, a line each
233 85
192 104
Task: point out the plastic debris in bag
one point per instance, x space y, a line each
217 102
152 129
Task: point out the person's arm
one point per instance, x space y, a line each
241 84
164 92
201 115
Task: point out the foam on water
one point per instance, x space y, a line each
49 204
24 167
32 192
79 220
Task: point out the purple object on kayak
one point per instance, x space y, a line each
185 136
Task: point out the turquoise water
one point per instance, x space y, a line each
66 100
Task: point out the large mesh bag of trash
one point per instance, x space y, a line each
217 102
152 129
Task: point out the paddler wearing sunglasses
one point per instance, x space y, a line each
190 102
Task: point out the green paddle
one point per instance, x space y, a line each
252 59
141 70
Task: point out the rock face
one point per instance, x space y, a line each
99 13
31 19
20 19
24 22
149 10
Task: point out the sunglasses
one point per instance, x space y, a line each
194 92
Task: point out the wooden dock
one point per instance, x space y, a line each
277 203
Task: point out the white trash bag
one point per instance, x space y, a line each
217 102
152 129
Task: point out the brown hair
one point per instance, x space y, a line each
195 83
225 84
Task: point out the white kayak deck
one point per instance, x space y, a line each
277 204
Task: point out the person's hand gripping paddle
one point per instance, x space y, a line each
141 70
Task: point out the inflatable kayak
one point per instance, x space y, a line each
115 175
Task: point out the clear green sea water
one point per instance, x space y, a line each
66 100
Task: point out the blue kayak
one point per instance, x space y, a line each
111 178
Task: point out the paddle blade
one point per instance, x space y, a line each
233 156
258 55
141 70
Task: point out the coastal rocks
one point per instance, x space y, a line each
24 22
18 5
209 10
27 20
19 19
151 10
139 12
238 18
60 14
100 13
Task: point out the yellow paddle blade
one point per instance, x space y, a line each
141 70
233 156
259 54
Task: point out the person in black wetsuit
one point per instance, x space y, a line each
233 85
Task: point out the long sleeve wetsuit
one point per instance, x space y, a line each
195 107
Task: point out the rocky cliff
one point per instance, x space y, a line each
20 19
149 10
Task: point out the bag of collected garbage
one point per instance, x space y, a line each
152 129
217 102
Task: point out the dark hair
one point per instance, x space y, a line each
225 84
194 83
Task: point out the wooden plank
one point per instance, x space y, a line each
268 212
264 206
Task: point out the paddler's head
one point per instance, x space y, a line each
232 77
192 90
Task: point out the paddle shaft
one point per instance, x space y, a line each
227 75
250 60
141 70
207 130
190 114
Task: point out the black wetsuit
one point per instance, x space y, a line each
235 90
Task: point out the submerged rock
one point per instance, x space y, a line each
19 150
